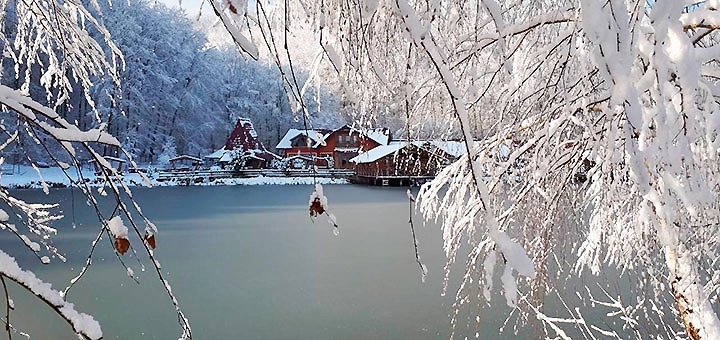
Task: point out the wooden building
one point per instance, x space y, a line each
332 148
184 163
309 144
242 149
400 162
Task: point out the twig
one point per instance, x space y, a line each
411 200
7 307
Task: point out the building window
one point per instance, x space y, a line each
347 140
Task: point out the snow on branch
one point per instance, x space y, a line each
52 124
83 324
319 205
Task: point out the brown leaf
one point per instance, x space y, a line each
150 239
316 208
231 7
121 245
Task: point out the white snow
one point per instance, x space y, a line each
33 245
451 148
410 195
117 227
318 193
82 323
285 143
489 269
346 150
217 154
381 136
27 178
378 152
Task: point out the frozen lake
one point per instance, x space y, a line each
246 262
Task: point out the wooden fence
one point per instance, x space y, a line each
248 173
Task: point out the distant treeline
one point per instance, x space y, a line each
177 94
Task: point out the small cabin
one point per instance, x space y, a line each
397 162
184 163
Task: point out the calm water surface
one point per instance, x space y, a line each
246 262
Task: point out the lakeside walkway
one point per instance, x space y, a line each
26 177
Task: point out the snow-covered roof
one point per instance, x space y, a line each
301 156
110 158
252 156
378 152
184 157
381 136
452 148
226 157
285 143
249 125
217 154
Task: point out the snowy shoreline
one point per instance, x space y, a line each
25 177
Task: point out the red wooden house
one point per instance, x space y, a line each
303 142
243 148
332 149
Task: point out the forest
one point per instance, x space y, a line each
176 94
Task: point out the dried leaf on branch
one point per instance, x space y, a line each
121 245
316 207
150 239
319 205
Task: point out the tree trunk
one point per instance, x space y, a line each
691 301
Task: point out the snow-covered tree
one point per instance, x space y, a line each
53 50
608 111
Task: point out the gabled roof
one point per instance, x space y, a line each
299 156
185 157
317 136
243 136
